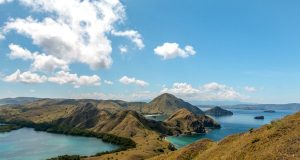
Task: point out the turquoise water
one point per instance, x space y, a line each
241 121
27 144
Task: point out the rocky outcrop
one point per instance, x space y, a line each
218 111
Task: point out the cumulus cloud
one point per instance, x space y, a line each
131 80
172 50
209 91
73 31
108 82
250 89
181 89
63 77
25 77
18 52
41 62
132 96
133 35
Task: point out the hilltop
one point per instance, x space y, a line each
278 140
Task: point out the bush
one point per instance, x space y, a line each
171 147
255 140
66 157
251 130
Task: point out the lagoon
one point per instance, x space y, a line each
28 144
240 121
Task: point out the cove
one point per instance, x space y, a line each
28 144
240 121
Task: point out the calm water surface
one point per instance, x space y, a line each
27 144
241 121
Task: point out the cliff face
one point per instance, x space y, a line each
218 111
278 140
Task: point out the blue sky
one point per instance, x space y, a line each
198 50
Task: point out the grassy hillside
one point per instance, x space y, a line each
278 140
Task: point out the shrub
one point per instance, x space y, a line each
255 140
171 147
66 157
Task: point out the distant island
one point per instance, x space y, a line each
259 117
269 111
218 111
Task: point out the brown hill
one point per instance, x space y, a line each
218 111
278 140
188 122
168 104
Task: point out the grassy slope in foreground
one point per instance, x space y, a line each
278 140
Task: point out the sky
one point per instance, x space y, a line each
198 50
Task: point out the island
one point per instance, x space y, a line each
218 111
259 117
269 111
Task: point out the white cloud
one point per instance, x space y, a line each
41 62
5 1
133 35
181 89
32 91
131 80
132 96
18 52
108 82
210 91
250 89
25 77
44 62
73 31
63 77
123 49
172 50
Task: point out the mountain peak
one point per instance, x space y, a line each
167 104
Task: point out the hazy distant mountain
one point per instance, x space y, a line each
290 106
17 100
218 103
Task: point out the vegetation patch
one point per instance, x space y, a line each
8 128
255 140
66 157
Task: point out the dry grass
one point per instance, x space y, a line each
277 141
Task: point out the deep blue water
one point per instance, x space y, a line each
27 144
241 121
